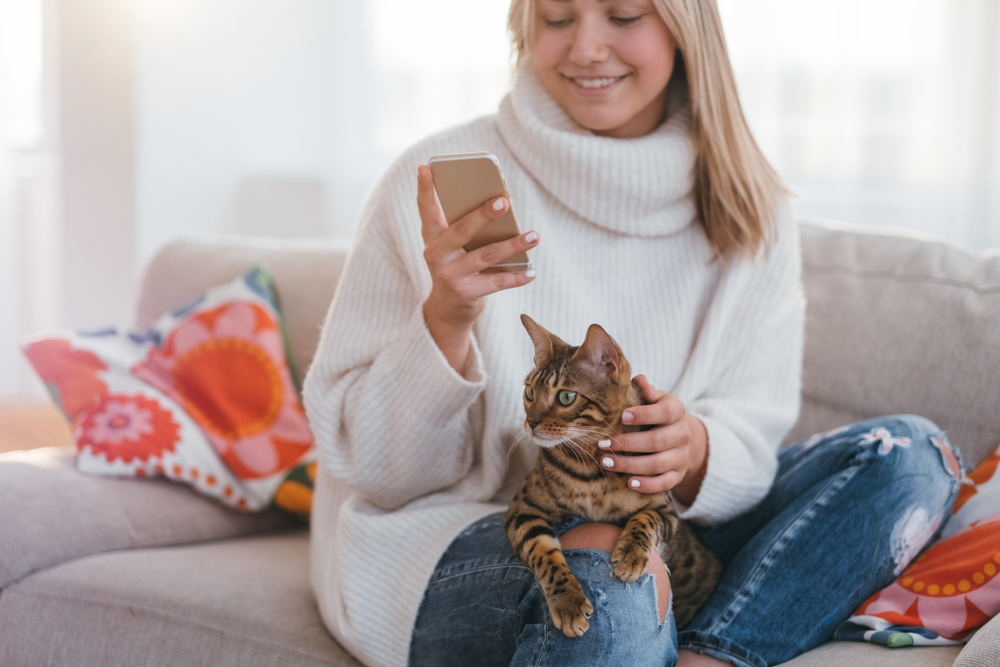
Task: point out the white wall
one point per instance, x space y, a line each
278 116
236 98
884 112
97 230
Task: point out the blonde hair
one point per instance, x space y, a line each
736 189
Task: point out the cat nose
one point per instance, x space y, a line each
532 422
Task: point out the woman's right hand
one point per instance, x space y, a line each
459 289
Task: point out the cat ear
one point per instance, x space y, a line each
600 353
545 342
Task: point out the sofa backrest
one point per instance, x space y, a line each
895 322
899 322
305 272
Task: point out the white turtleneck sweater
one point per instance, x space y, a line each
414 452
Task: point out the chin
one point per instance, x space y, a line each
596 122
542 439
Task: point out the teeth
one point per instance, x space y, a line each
595 83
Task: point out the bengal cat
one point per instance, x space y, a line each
574 398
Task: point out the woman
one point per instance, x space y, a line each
653 213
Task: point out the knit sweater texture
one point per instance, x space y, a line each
413 452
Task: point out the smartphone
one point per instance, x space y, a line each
466 181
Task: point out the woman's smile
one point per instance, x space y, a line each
595 84
605 62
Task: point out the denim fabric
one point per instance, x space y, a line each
483 607
848 511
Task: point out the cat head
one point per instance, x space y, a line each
575 394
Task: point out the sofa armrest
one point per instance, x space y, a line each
983 650
51 513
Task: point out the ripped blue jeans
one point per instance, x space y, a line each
848 510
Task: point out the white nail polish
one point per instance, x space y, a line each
530 273
607 462
530 237
498 205
604 444
634 484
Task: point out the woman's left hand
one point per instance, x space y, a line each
671 455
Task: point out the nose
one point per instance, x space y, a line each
532 422
589 45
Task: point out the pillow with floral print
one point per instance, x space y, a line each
205 396
951 590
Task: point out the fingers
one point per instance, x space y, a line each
487 256
652 473
663 408
649 392
432 221
481 285
664 451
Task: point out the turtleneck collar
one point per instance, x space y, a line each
639 187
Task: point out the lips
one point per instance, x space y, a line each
593 83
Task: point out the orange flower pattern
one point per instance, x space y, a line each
122 426
226 367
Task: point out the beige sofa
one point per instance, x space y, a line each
108 572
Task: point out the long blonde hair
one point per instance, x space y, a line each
736 189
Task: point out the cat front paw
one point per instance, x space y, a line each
570 611
629 562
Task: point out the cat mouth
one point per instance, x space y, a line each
546 439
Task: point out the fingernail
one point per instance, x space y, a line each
530 273
627 417
607 462
530 237
498 204
634 484
604 444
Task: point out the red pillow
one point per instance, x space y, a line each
205 396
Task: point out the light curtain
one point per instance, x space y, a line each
29 263
881 112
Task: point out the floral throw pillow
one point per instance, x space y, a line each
205 396
952 589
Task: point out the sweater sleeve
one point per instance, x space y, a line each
389 414
752 398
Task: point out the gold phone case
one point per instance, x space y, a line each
466 181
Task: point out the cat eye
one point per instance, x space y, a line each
567 397
529 393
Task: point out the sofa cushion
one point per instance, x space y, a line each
305 272
983 650
900 323
51 513
244 602
858 654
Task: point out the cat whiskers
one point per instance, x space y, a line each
575 448
521 436
616 432
591 440
601 434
